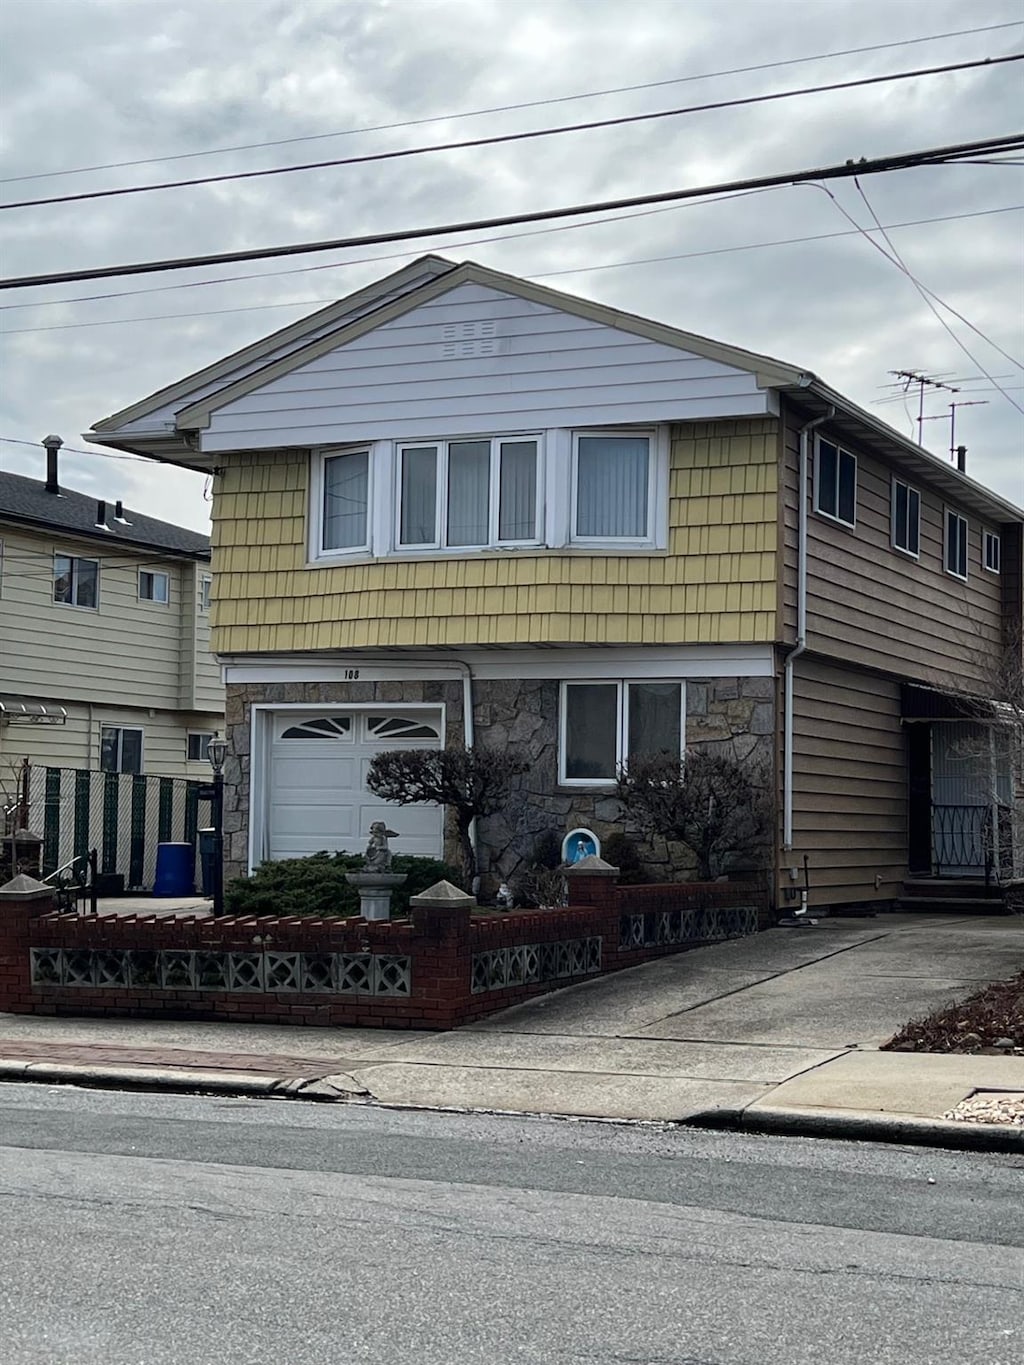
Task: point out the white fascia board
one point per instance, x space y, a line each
682 661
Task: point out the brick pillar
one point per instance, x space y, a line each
442 967
21 900
592 881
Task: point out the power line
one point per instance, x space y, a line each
512 108
368 260
900 161
896 259
501 138
70 450
536 275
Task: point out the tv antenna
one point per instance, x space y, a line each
924 382
951 419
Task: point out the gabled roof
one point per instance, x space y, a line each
26 502
405 290
295 335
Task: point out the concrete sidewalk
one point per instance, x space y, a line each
779 1032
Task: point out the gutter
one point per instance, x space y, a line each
801 632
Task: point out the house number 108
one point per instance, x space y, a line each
351 674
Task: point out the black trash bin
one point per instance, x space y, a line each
208 859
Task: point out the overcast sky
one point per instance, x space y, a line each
93 82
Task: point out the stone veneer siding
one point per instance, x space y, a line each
736 716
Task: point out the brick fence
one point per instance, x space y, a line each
438 969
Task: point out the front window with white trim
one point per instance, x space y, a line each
120 749
956 544
613 477
605 725
154 586
345 501
468 494
906 518
835 483
990 552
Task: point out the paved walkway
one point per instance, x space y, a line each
780 1031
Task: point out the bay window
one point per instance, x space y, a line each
605 725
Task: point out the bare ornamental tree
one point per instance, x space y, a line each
713 805
472 783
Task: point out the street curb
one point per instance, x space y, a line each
179 1080
862 1126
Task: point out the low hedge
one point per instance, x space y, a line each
316 885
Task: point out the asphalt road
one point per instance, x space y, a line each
168 1230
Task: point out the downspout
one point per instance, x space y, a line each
801 631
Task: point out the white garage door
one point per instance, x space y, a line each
318 797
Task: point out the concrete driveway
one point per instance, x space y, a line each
719 1027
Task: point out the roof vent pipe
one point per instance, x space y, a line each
119 515
53 445
961 459
101 516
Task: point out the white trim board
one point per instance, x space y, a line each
684 661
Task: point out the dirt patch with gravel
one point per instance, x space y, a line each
990 1022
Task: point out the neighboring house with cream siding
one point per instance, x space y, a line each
460 508
105 659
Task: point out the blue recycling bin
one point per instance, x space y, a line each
175 870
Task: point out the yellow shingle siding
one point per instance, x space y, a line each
715 584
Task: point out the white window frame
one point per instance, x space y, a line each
77 559
317 485
841 451
206 735
903 549
442 446
622 686
948 512
137 729
991 539
205 591
657 489
154 575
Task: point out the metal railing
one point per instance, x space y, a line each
963 841
76 882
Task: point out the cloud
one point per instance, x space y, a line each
117 80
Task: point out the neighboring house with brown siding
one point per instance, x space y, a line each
105 661
460 508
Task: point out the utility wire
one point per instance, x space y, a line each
512 108
500 138
70 450
896 259
536 275
900 161
371 260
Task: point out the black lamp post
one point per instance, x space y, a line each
215 752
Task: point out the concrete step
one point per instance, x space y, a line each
934 888
939 905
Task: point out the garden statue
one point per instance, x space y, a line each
378 855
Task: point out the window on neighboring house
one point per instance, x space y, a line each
344 521
471 494
154 586
205 591
606 724
991 552
76 581
612 487
906 518
198 747
120 749
835 483
956 544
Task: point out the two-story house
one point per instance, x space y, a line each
460 508
105 662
